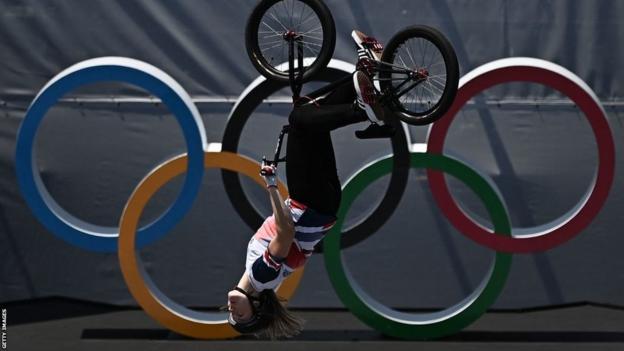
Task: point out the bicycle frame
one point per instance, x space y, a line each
416 77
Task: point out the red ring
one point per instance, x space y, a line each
556 77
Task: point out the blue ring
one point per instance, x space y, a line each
89 236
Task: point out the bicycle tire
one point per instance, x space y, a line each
433 110
267 66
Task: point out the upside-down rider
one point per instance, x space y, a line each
287 238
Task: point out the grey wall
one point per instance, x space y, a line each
535 145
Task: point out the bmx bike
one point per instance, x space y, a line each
416 77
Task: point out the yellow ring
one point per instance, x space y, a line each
182 320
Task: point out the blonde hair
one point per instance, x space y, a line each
283 323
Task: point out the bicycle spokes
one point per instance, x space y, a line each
418 75
284 22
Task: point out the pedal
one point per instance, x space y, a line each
376 131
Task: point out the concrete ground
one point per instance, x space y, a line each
93 327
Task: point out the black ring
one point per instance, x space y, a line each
251 216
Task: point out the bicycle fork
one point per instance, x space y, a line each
296 80
278 148
296 83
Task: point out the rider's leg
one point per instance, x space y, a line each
359 89
337 109
342 94
325 118
311 163
311 170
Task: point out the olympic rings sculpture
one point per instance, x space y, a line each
502 237
431 325
567 226
49 212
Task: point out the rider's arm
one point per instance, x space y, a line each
285 228
280 245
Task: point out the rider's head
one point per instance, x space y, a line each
261 314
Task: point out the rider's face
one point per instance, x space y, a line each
239 306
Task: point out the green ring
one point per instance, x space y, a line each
428 325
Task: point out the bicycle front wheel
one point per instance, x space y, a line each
419 75
274 23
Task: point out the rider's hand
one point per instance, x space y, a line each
269 173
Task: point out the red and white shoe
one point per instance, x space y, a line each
368 100
367 97
367 46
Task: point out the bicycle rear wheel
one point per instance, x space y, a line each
274 22
419 75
